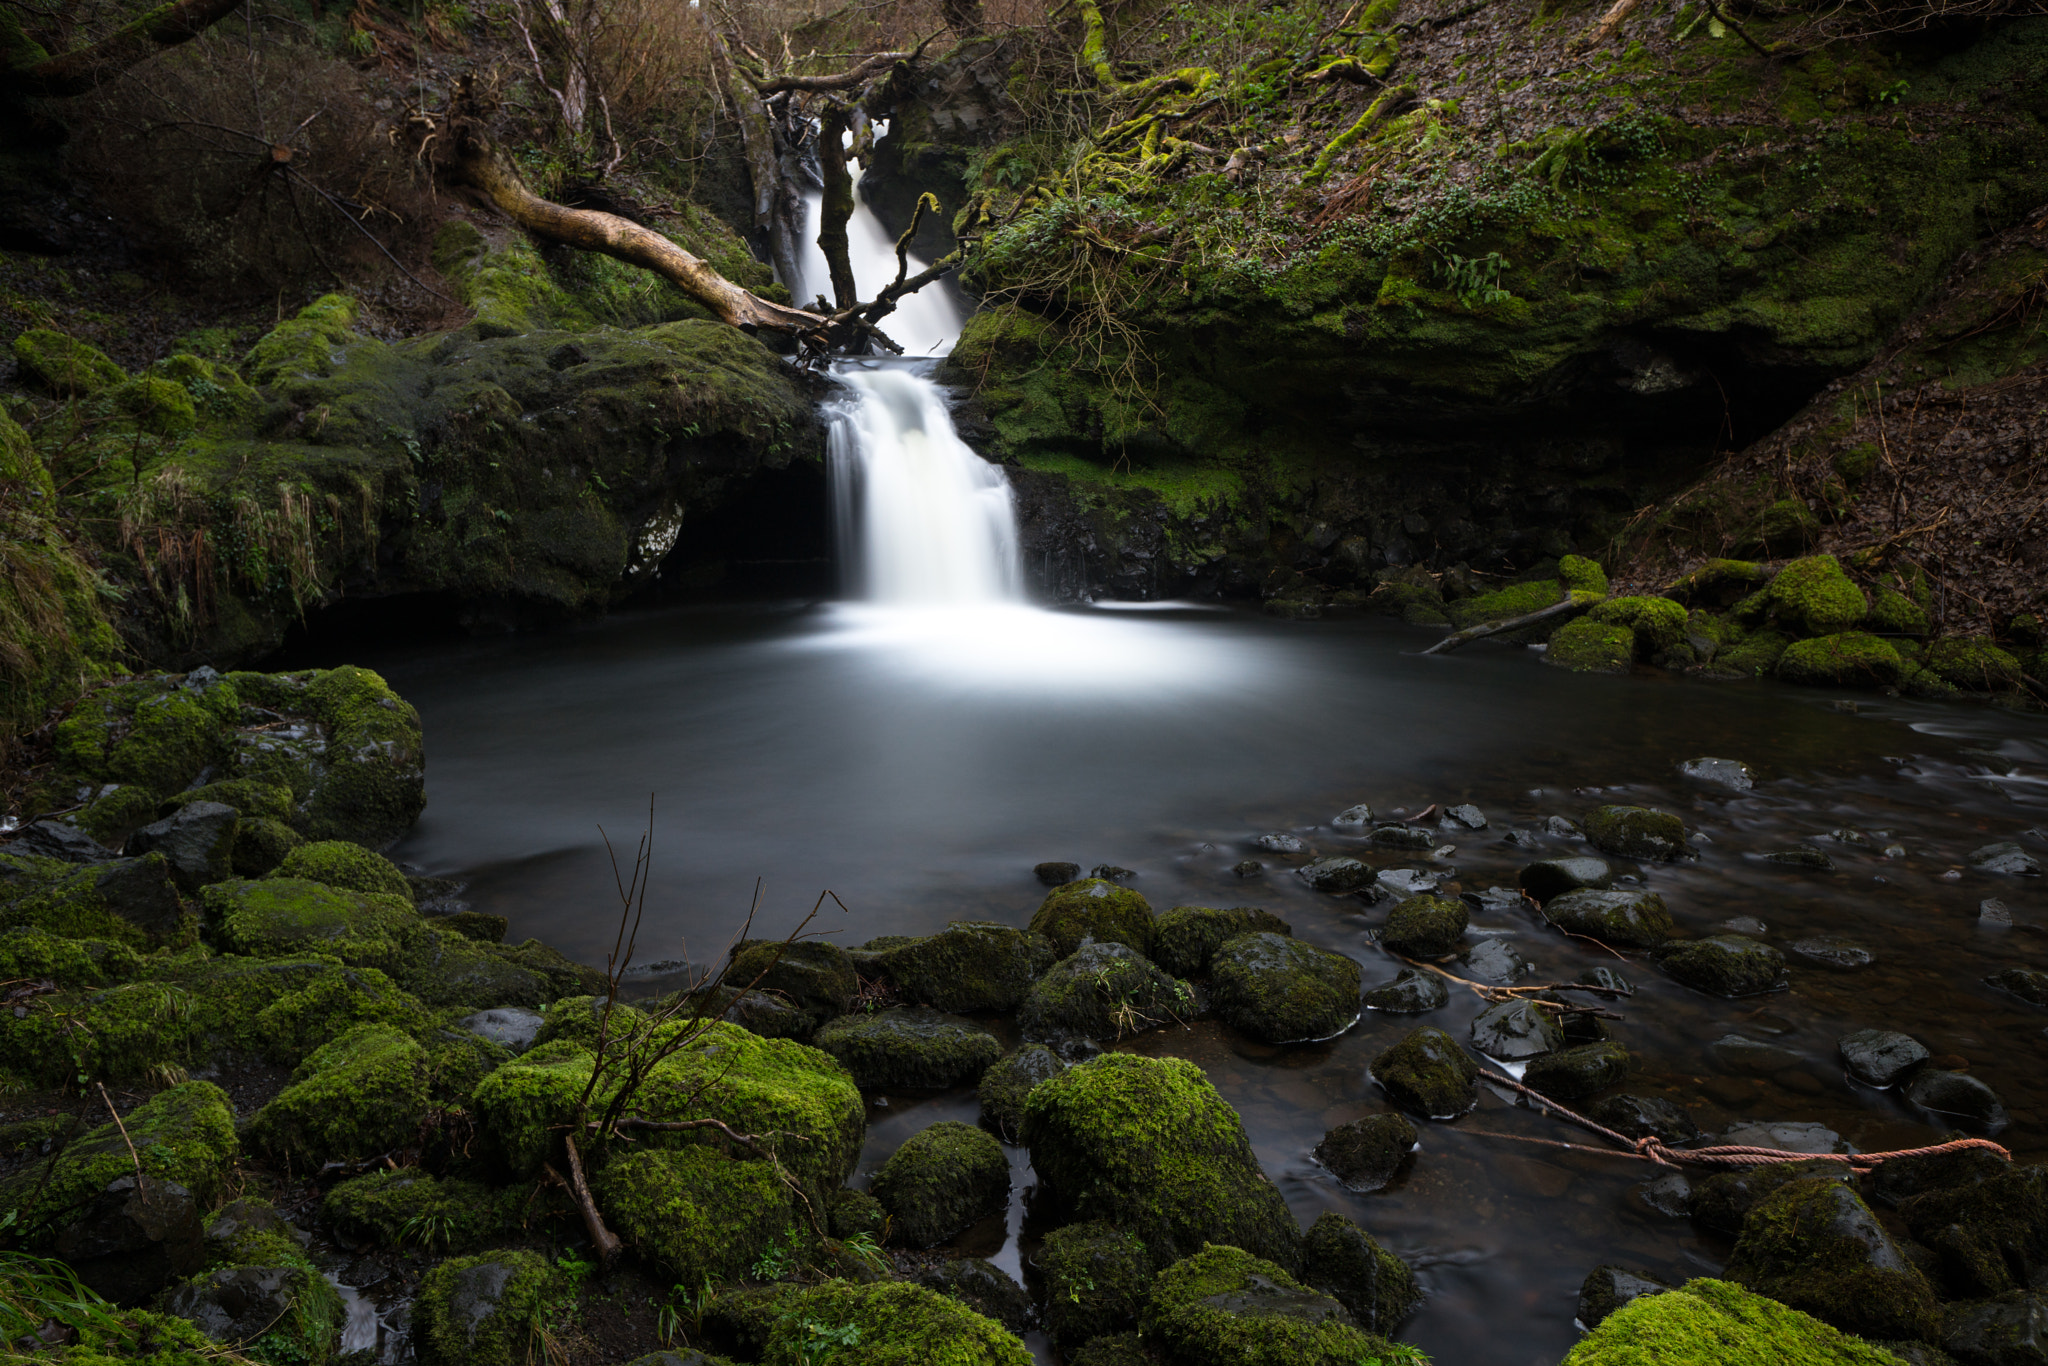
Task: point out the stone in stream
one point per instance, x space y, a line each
1958 1098
1096 1277
1336 876
1368 1153
1094 908
57 840
2005 858
1511 1031
1563 828
1669 1195
971 965
1992 911
1464 817
1880 1057
1341 1259
1406 882
1425 927
1226 1305
1638 832
1833 951
1641 1116
1055 874
1187 937
1801 856
1555 876
2029 984
1991 1235
983 1287
1250 867
817 978
1729 773
1412 992
1428 1074
1112 873
1624 919
1722 1201
911 1046
1737 1054
1813 1244
1725 965
1280 842
1282 990
2010 1331
1102 993
1608 1288
1496 961
1399 836
1570 1073
1353 819
1744 924
1902 1178
1008 1084
944 1178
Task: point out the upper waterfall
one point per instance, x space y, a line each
926 323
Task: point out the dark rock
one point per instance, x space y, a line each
1992 911
1562 828
1250 867
1958 1097
1428 1074
2029 984
1344 1261
1336 876
1608 978
198 840
1513 1030
1669 1195
1103 992
1902 1178
2011 1330
1054 874
1642 1116
1353 818
916 1046
1109 872
1556 876
1094 908
1412 992
1988 1237
476 925
1280 842
1792 1136
1637 832
986 1289
1814 1244
1496 961
2005 858
1187 937
511 1026
1096 1278
141 892
1571 1073
1608 1288
243 1303
1629 920
1879 1057
1403 837
1425 927
1737 1054
1801 856
1725 965
1283 990
1466 817
815 977
55 839
129 1245
1404 882
1005 1087
944 1178
1722 1201
770 1016
1728 773
1368 1153
971 965
1833 951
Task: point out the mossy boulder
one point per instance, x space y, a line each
893 1323
1342 1260
1094 908
1725 965
1851 659
1582 575
1368 1153
65 366
815 977
410 1207
1146 1144
1990 1235
944 1177
1224 1306
1717 1323
261 844
850 1213
1591 647
1752 654
1813 597
697 1214
970 965
1814 1245
482 1310
1579 1071
1281 990
1411 594
1008 1084
29 952
1104 991
1892 613
1426 926
1722 1201
1187 937
273 917
1626 920
1411 992
1515 600
1097 1277
366 779
1656 623
1719 583
914 1046
344 865
363 1094
185 1134
444 968
130 901
1114 1349
983 1287
278 1308
1427 1074
1638 832
1973 663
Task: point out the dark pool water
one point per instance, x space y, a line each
918 767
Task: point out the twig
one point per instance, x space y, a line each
1472 633
132 1154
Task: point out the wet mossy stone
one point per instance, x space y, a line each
1551 877
1497 961
1572 1073
912 1046
687 1357
1988 1237
1582 575
1643 1116
1341 1259
132 901
1717 1323
1900 1179
447 969
65 366
261 844
695 1213
971 965
1147 1144
1187 937
30 953
1814 1245
1412 992
481 1310
1958 1099
1008 1083
348 866
1637 832
1813 597
983 1287
2029 984
815 977
1719 583
281 1307
273 917
1427 1074
1096 1280
1515 1030
1098 909
583 1020
1591 647
944 1178
1750 655
772 1017
1113 1349
896 1323
1281 990
1725 965
1973 663
1105 991
1368 1153
361 1095
1892 613
1880 1057
2011 1330
1722 1202
1426 926
1338 876
369 785
1657 623
1627 920
198 840
185 1134
1850 659
409 1207
1608 1288
1224 1306
851 1213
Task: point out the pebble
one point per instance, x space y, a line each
1112 873
1833 951
1251 867
1992 911
1467 815
1729 773
1353 817
1280 842
2005 858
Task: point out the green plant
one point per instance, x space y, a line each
579 1268
429 1229
1475 279
778 1259
683 1303
819 1342
40 1291
1397 1354
867 1249
1890 94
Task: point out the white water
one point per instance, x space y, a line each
926 323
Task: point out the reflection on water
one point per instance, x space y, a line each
919 765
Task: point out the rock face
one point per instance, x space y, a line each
198 840
1281 990
1427 1074
1814 1245
2010 1331
942 1179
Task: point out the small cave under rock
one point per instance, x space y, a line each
771 537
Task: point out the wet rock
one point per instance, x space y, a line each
1368 1153
55 839
245 1303
1556 876
1792 1136
1405 882
971 965
1959 1098
1427 1074
1992 911
771 1017
1608 1288
1642 1116
1412 992
1606 977
1283 990
914 1046
1669 1195
1096 1279
1102 992
693 1212
1570 1073
1514 1030
1353 818
1250 867
481 1309
1425 927
1224 1305
1005 1086
1629 920
1880 1057
2010 1331
198 840
1738 1054
1722 1201
1562 828
1899 1180
1187 937
944 1178
815 977
1056 874
1637 832
128 1245
2005 858
1833 951
1801 856
1399 836
1496 961
1990 1237
1109 872
1729 773
1744 924
512 1026
2029 984
1464 817
1814 1244
1344 1261
1280 842
1094 908
1725 965
983 1287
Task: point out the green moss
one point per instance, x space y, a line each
64 365
909 1047
581 1019
1344 1261
970 965
306 345
1719 583
1989 1236
446 968
943 1178
893 1323
1854 658
154 405
1281 990
1573 1073
1094 908
29 953
815 977
377 795
407 1207
1973 663
1146 1144
1587 646
349 867
1752 654
1894 614
131 901
1225 1307
249 798
1715 1323
1187 937
282 915
1008 1084
700 1216
1426 926
247 1236
1658 623
1104 992
361 1095
218 395
335 1000
1410 594
261 844
1428 1074
1096 1280
1637 832
1814 1245
1582 575
490 1309
1515 600
1814 597
185 1134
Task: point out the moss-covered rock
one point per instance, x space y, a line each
1282 990
970 965
408 1207
1592 647
697 1214
444 968
1582 575
1725 965
1096 1280
1752 654
1147 1145
1722 1201
1515 600
130 901
1342 1260
1719 583
1716 1323
278 1308
1094 908
1367 1153
893 1323
1973 663
185 1134
943 1178
1008 1084
1813 597
1226 1307
816 977
1104 991
1656 623
65 366
1187 937
1426 926
1989 1236
1627 920
1892 613
1409 593
1851 659
1637 832
850 1213
1578 1071
1427 1074
1814 1245
363 1094
1411 992
274 917
983 1287
261 844
487 1309
30 953
914 1046
345 865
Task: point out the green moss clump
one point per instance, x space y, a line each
335 1000
185 1134
1990 1237
1719 583
361 1095
1341 1259
129 901
1852 659
1973 663
1105 991
376 795
581 1020
1894 614
1570 1073
249 1248
410 1208
1716 1323
1637 832
261 844
155 405
1428 1074
1008 1084
970 965
1752 654
1146 1144
1725 964
281 915
815 977
446 968
249 798
851 1213
305 345
1516 600
1426 926
1225 1307
701 1216
1814 597
350 867
1629 920
943 1178
1658 623
1814 1245
484 1310
894 1323
1187 937
1410 594
29 953
65 366
916 1046
1591 647
1094 908
1096 1280
1582 575
1282 990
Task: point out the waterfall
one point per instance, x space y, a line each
924 324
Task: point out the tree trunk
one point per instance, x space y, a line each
757 141
575 92
86 68
837 206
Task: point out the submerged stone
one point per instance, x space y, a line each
1497 961
2029 984
1833 951
1729 773
2006 859
1336 876
1637 832
1570 1073
1641 1116
1958 1098
1554 877
1801 856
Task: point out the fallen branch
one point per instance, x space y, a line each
841 80
1570 602
87 68
1616 14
